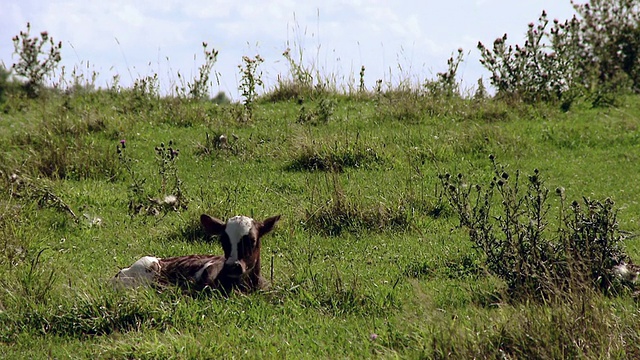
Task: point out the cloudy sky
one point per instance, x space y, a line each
394 40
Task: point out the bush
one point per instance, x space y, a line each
511 232
593 55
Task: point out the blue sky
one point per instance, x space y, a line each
394 40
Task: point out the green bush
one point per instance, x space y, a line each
508 224
593 55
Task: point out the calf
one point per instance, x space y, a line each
239 268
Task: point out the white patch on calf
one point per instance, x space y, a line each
142 272
202 269
237 227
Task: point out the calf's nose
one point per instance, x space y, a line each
234 267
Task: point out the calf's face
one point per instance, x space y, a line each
240 239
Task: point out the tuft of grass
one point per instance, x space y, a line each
339 213
336 158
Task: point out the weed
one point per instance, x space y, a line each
11 244
36 284
362 88
36 62
300 82
170 182
321 114
27 189
219 143
446 84
514 239
593 56
171 193
249 81
199 88
137 196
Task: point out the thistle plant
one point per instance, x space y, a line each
38 57
171 184
137 194
251 78
446 83
594 54
199 88
508 221
171 194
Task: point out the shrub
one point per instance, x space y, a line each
592 56
511 232
536 71
446 84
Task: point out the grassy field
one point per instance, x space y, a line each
368 261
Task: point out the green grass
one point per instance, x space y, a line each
365 247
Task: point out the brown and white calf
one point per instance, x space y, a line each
239 268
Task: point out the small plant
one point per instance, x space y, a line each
171 184
23 187
320 114
220 143
300 82
36 284
302 77
250 80
36 62
362 88
6 83
199 88
446 83
511 232
171 194
137 195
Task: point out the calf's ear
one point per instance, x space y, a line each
267 225
212 225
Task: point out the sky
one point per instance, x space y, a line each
394 40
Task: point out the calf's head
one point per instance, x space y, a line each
240 239
142 272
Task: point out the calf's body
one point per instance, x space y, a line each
238 268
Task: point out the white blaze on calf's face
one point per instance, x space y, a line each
237 227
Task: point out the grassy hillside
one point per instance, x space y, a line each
369 259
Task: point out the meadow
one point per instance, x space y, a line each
368 261
384 197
